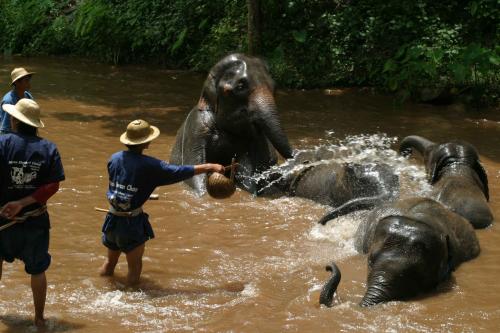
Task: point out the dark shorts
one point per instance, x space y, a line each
126 233
28 243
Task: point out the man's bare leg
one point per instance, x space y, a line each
39 289
134 260
108 268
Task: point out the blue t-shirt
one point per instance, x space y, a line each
133 177
9 98
26 163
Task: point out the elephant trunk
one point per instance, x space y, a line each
416 142
326 296
262 101
376 293
353 205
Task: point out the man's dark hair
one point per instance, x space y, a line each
26 129
137 148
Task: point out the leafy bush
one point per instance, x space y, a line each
400 46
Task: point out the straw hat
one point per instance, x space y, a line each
26 110
19 73
139 131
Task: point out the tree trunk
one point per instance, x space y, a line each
254 30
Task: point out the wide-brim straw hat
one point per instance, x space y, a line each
19 73
27 111
138 132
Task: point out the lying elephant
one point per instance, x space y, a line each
412 246
235 116
331 183
457 176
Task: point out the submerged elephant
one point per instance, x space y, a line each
458 178
235 116
412 246
329 182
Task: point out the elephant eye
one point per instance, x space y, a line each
242 84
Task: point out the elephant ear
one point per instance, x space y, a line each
444 154
481 173
436 161
449 266
208 98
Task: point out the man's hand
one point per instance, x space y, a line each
208 167
11 209
217 168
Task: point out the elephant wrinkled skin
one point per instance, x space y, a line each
412 246
331 183
458 178
235 116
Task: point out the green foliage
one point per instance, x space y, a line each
400 46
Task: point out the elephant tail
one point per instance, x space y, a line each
414 142
329 289
353 205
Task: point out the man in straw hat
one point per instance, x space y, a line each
132 178
31 170
20 85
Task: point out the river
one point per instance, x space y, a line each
244 264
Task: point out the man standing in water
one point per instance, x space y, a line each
20 85
132 178
30 172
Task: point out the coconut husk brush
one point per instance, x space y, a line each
221 187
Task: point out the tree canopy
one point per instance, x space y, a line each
406 47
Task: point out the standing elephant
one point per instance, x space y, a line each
236 116
458 178
412 246
330 183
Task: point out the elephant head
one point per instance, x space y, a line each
412 246
408 258
240 93
460 181
236 116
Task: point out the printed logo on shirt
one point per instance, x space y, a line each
22 173
121 195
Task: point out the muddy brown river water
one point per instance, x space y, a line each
243 264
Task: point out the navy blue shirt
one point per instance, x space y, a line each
9 98
26 163
133 177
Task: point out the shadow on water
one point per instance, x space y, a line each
17 323
442 288
154 290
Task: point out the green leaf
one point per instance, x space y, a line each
179 41
393 84
494 59
203 23
389 66
460 72
299 36
473 8
400 52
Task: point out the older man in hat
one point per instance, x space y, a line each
20 85
31 170
133 176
